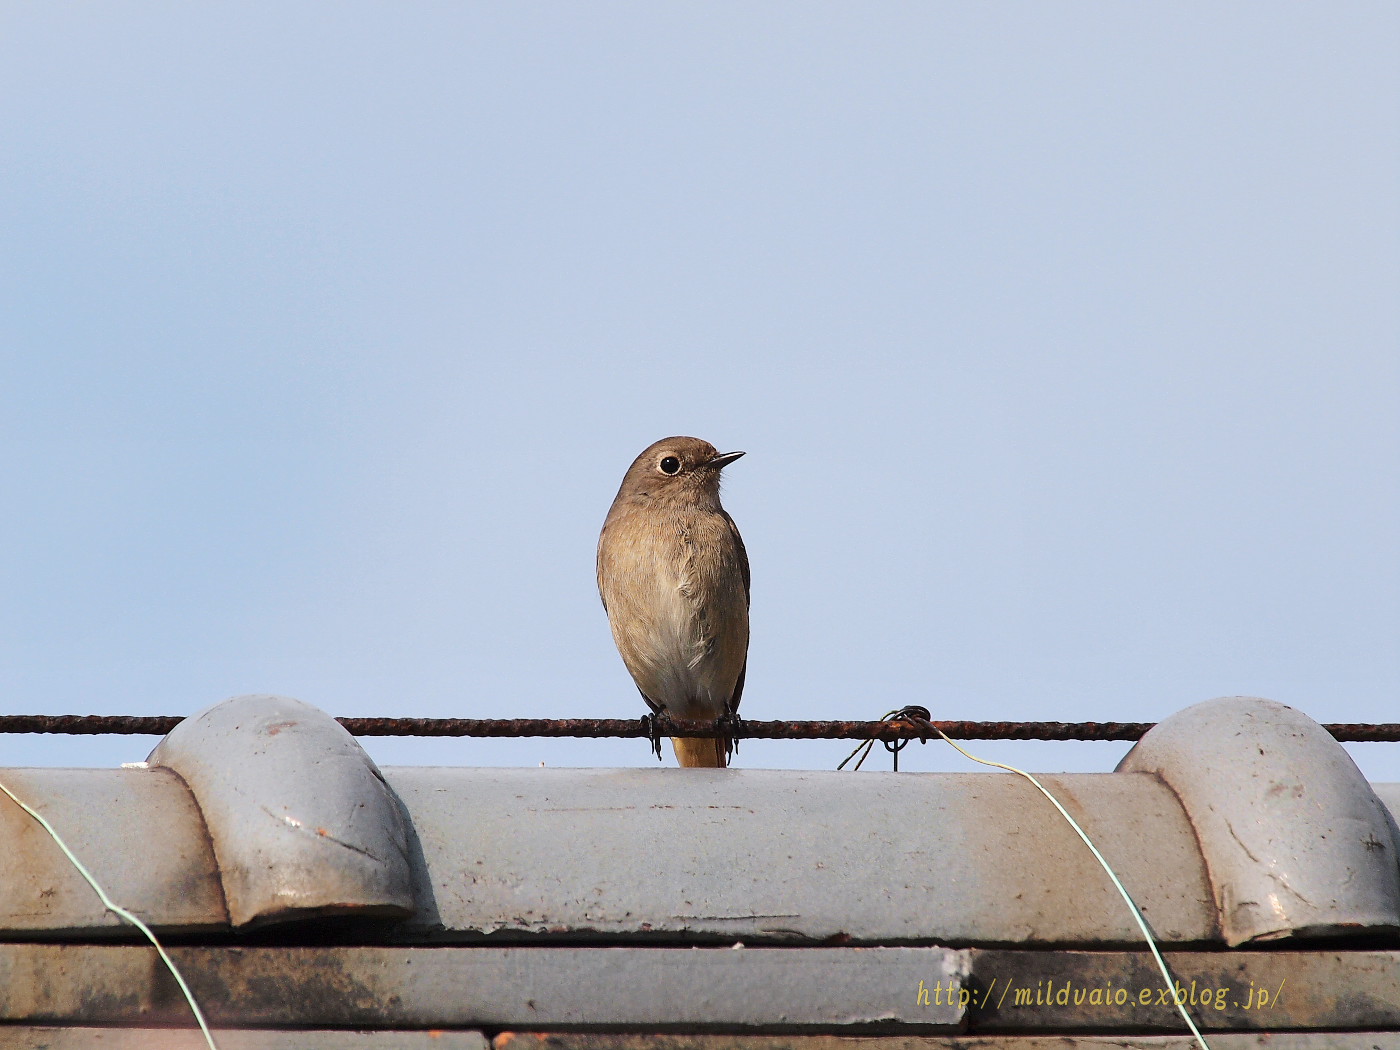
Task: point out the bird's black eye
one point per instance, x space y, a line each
670 465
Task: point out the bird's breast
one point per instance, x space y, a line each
678 609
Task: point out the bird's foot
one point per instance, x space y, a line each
731 729
652 729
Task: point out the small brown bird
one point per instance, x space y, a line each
674 577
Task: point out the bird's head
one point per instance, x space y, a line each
683 469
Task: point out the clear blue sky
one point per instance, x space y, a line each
1064 340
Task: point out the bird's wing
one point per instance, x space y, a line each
738 687
743 553
744 569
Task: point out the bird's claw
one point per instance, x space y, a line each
731 728
652 730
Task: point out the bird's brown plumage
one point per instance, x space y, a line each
674 578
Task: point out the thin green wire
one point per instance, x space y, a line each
112 906
1132 906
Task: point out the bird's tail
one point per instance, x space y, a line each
703 751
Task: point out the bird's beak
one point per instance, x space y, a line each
722 461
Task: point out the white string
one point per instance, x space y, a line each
112 906
1132 906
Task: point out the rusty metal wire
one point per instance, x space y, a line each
911 713
159 725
